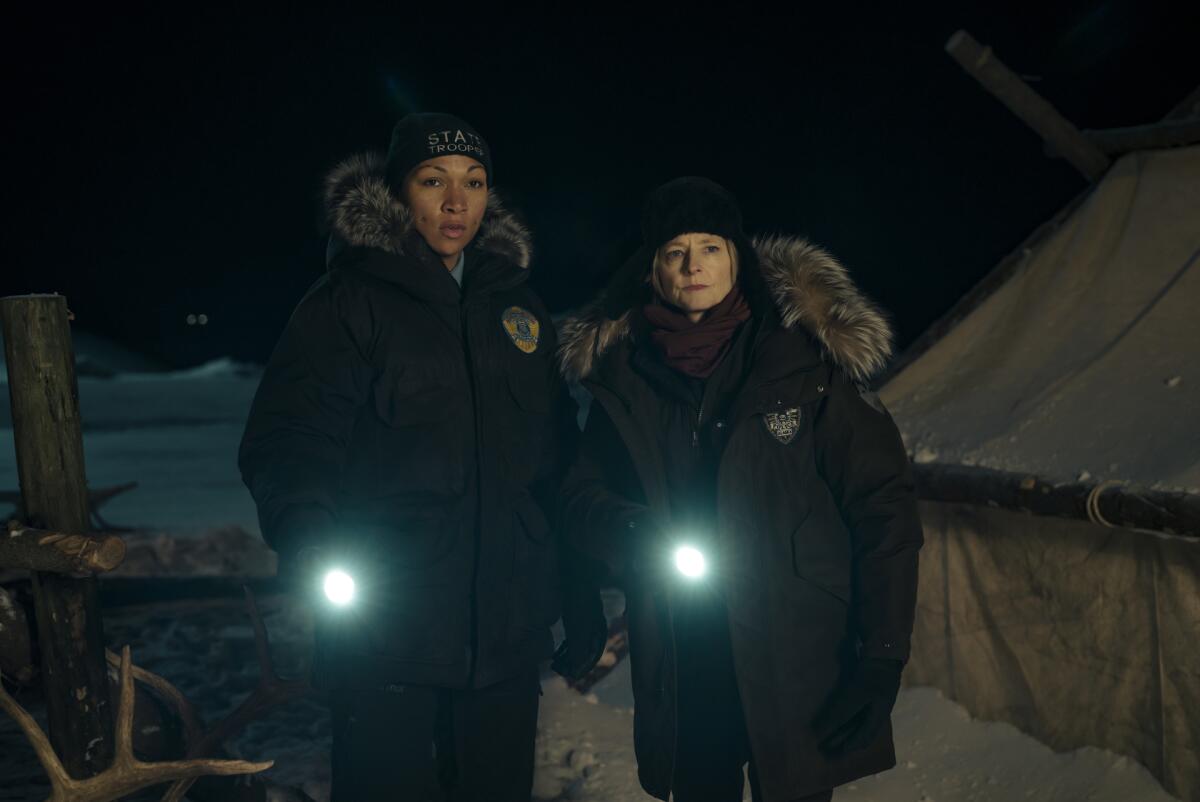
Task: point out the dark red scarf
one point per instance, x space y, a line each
696 348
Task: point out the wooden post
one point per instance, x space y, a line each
49 445
1031 107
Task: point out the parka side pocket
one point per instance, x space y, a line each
821 555
535 568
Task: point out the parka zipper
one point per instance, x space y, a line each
473 371
696 428
674 697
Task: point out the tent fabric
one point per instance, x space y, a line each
1074 633
1085 364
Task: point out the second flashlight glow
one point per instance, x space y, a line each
690 562
339 587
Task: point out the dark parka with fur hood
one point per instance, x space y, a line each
400 426
816 527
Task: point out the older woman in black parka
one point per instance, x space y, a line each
754 500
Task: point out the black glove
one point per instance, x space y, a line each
646 547
857 710
580 651
297 539
300 570
584 626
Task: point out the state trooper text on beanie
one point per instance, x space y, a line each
427 135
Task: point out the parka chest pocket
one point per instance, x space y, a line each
404 399
531 388
420 437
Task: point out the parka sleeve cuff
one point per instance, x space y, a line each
301 526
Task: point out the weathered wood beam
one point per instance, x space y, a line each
1116 141
1105 503
49 445
1034 110
43 550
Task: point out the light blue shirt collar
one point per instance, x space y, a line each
456 272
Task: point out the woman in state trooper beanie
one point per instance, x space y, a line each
427 135
422 340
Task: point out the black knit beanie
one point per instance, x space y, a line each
686 205
427 135
690 205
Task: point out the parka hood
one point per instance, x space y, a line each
361 209
810 290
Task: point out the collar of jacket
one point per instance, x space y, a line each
811 291
361 212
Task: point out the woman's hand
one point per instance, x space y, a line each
580 651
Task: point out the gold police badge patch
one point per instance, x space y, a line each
783 426
522 327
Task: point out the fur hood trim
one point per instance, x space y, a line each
811 290
361 209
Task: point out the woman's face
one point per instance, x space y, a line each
694 272
447 197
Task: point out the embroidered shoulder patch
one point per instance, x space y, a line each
522 328
783 426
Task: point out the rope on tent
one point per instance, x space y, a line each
1093 503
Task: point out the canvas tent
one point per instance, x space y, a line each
1077 362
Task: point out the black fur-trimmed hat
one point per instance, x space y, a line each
690 204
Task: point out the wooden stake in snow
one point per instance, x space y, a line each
1064 138
49 446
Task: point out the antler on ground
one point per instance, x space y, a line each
271 691
126 774
187 712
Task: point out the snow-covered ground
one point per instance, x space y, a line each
943 755
177 435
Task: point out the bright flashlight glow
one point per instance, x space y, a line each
339 588
690 562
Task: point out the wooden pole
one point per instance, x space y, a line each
1031 107
1116 141
1107 504
49 446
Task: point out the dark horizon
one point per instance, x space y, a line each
164 167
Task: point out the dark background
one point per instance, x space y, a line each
161 165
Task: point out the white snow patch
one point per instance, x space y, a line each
925 455
216 368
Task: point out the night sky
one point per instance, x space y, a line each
161 165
